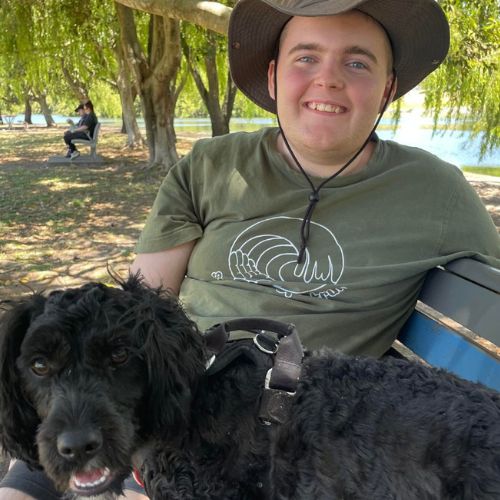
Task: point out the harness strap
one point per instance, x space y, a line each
282 379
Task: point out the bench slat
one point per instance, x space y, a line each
471 305
477 272
440 346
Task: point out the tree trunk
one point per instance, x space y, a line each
42 101
125 83
78 88
156 77
158 90
219 115
27 110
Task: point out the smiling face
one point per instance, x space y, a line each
333 76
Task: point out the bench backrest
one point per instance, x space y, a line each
95 135
456 324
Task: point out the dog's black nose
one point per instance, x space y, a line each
80 444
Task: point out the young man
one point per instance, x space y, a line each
317 222
83 130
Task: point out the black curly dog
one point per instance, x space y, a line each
91 376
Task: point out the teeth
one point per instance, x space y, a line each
97 482
320 106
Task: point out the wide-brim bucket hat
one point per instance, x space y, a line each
417 29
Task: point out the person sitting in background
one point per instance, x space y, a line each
83 130
72 126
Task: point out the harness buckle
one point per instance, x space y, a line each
265 343
275 403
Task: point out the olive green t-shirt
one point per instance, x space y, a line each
373 236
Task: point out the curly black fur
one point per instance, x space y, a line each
109 379
126 368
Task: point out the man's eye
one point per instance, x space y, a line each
119 355
305 59
357 65
40 367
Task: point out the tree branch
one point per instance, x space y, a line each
210 15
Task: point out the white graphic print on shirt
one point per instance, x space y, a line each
261 256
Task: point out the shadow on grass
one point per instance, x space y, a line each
61 225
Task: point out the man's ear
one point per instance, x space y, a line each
388 91
270 79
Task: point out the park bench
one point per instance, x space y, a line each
456 323
90 142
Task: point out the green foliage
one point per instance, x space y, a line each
44 41
245 108
466 88
205 47
106 100
493 171
51 47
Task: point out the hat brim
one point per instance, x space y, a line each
418 31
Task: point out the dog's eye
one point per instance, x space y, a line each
119 355
40 367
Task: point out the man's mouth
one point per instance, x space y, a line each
328 108
91 482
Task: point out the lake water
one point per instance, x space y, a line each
454 146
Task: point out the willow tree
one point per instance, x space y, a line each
206 57
61 49
465 89
40 47
23 42
90 52
156 71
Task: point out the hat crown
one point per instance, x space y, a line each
417 29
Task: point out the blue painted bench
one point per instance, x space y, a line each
456 323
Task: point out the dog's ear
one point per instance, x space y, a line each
18 418
175 358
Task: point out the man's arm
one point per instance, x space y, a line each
166 268
84 124
80 128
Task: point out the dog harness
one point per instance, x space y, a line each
280 341
284 349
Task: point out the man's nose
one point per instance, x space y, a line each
329 76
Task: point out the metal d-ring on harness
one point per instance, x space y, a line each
282 379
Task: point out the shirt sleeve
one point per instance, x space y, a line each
172 219
469 230
90 121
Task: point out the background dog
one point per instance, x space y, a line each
90 375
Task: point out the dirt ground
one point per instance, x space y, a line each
62 225
488 189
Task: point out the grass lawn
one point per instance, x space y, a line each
493 171
63 224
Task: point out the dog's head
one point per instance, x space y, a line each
89 374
